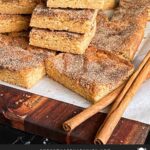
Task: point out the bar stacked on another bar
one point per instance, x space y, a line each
90 4
18 65
66 30
61 35
15 14
89 72
13 23
102 69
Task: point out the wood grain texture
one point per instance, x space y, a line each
44 117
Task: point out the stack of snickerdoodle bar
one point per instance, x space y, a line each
65 30
69 27
73 43
102 69
17 65
15 15
66 26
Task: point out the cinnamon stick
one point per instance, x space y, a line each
131 81
123 101
72 123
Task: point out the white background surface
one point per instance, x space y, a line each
138 110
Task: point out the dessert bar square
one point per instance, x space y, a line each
13 23
121 37
72 20
61 40
92 75
20 67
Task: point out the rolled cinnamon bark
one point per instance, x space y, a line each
123 101
131 81
72 123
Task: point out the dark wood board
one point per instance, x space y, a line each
44 116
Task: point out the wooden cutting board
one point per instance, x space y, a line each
44 116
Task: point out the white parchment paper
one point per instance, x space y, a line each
138 110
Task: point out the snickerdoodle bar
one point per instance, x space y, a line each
20 67
72 20
92 75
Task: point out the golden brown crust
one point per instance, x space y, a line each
92 75
121 36
92 4
26 78
72 20
16 39
61 40
13 23
18 6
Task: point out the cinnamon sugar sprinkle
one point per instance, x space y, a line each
93 69
41 52
72 14
16 59
14 40
134 3
126 14
113 36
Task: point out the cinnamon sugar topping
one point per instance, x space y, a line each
112 36
134 3
17 59
72 14
117 35
12 39
95 68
